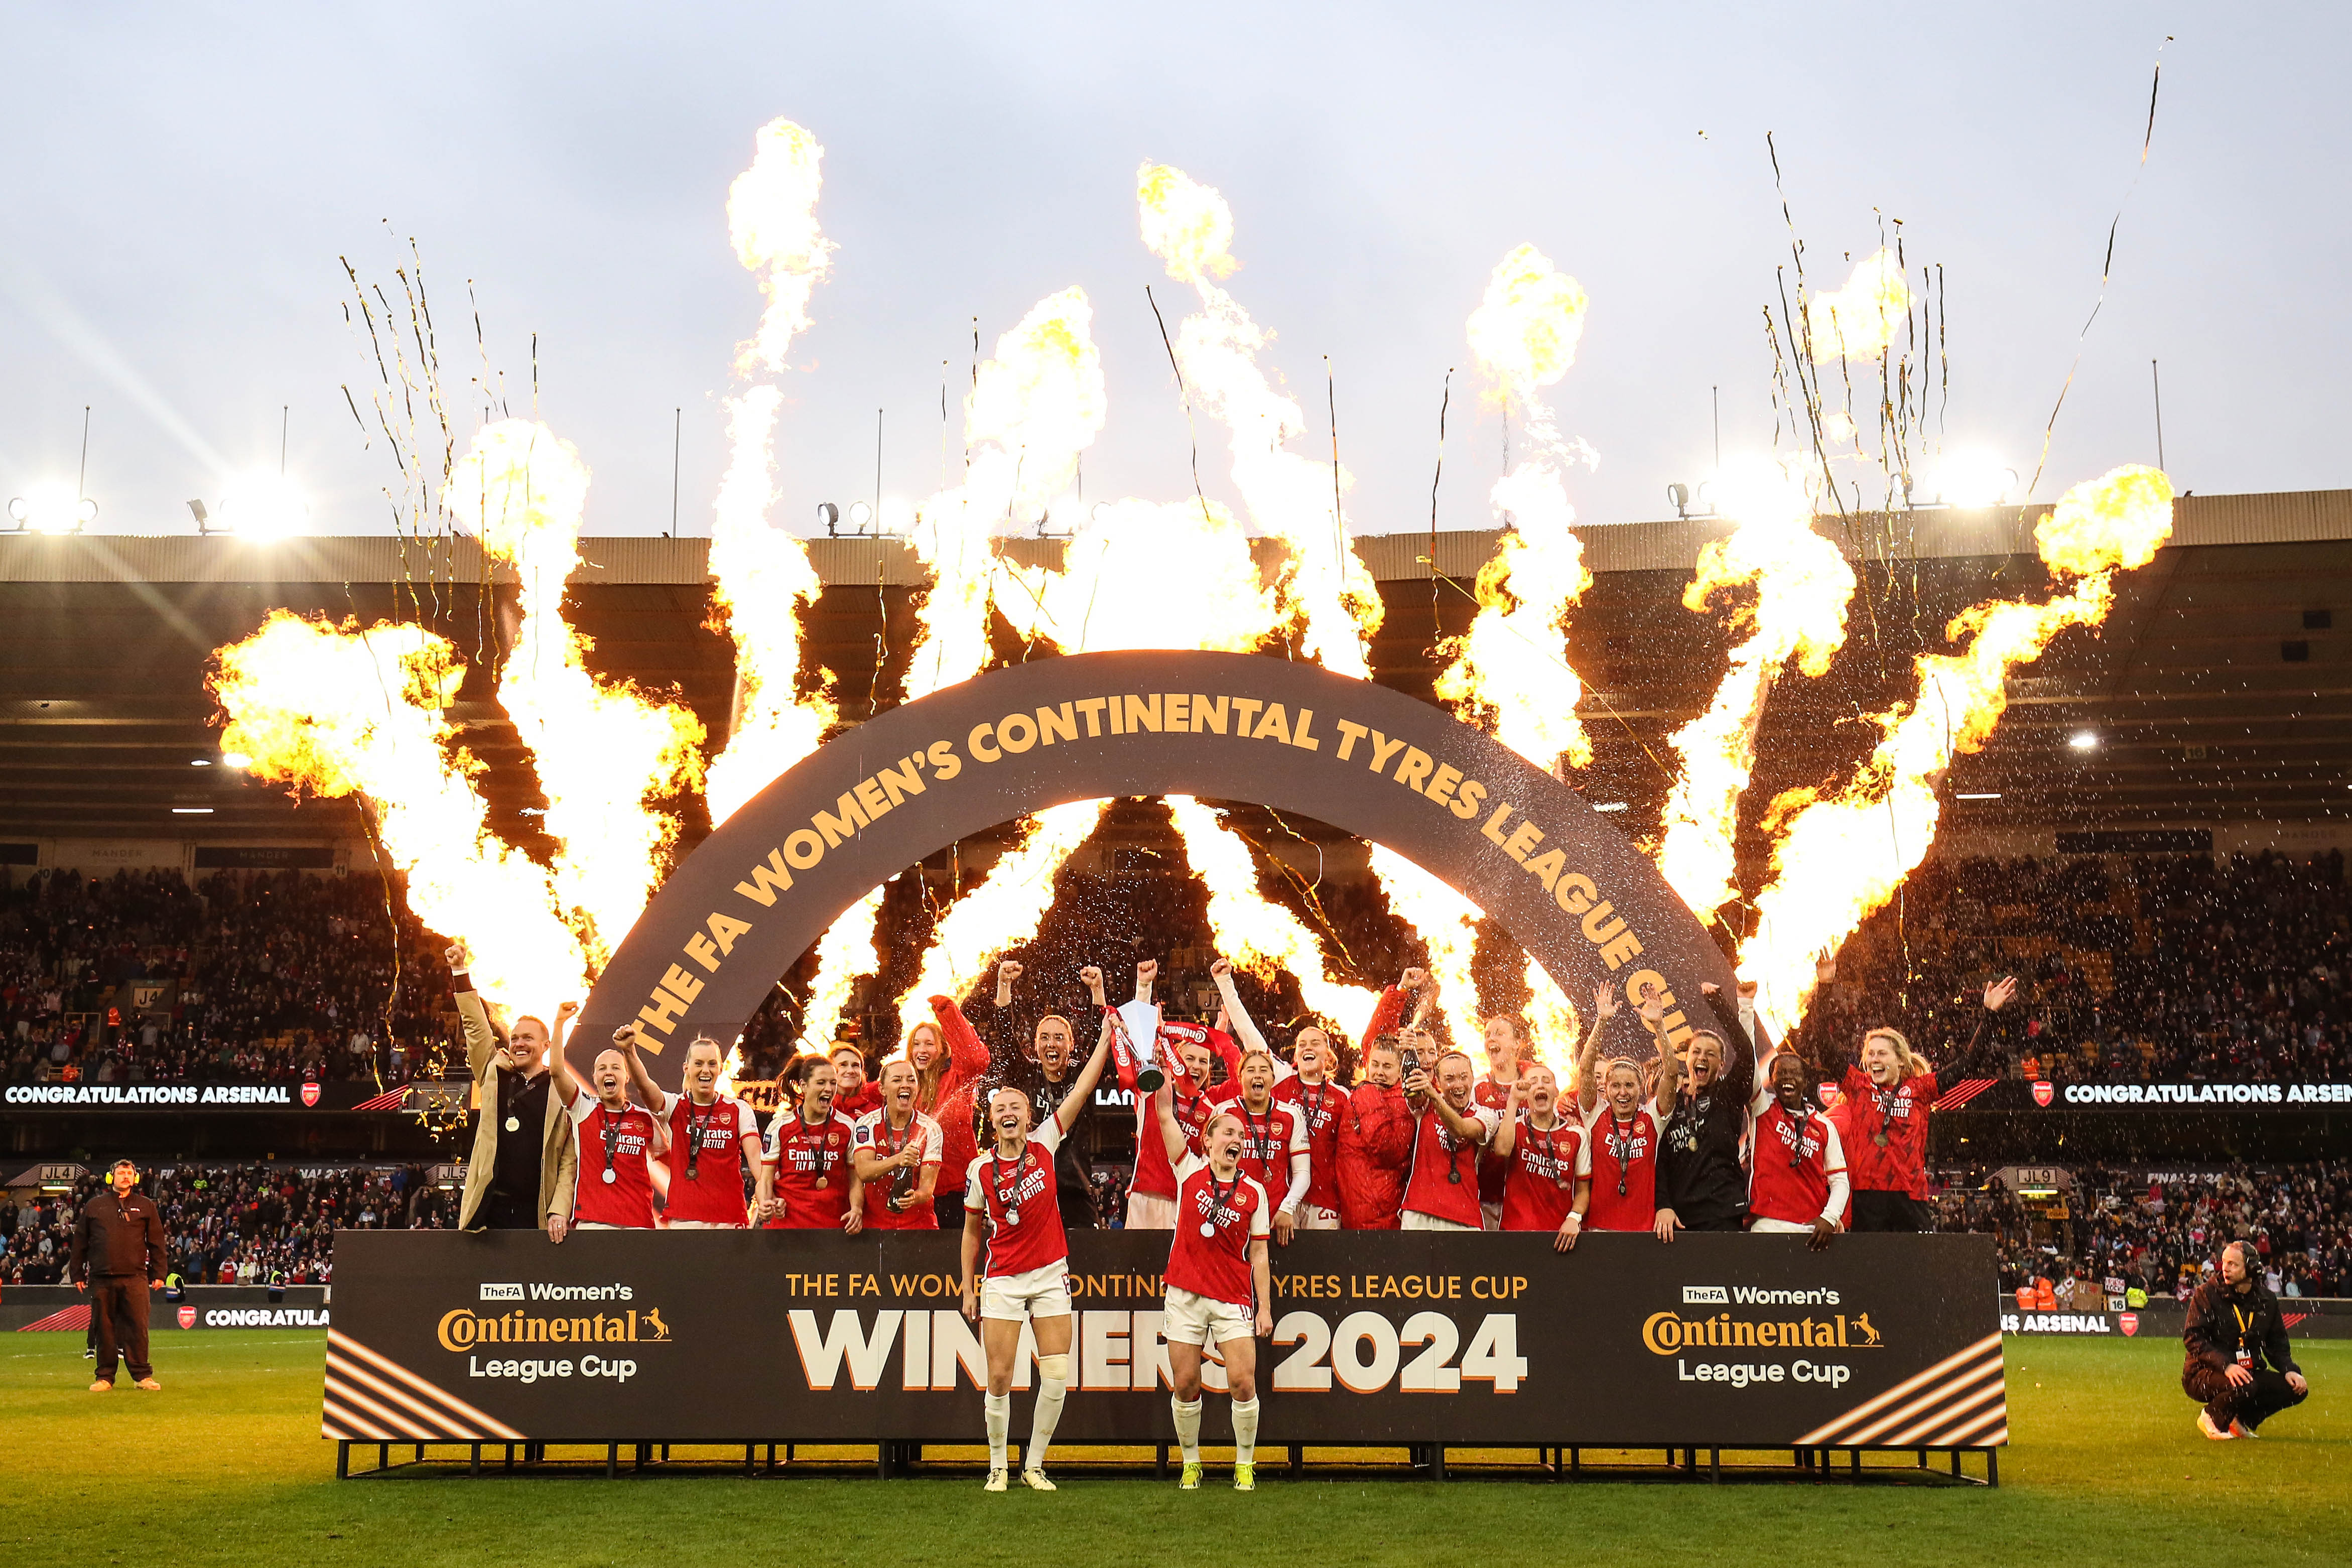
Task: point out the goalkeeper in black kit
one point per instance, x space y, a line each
2238 1363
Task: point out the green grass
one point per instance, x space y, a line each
225 1466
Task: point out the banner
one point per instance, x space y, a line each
1568 886
1381 1338
426 1095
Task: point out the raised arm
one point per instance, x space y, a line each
1222 972
1164 1113
1605 1007
1667 1088
1082 1090
1740 1063
643 1081
1832 1051
481 1039
968 1054
1506 1134
1996 995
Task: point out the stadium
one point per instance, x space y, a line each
1815 1011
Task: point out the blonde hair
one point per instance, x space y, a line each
1904 1057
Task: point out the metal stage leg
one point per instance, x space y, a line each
476 1468
1856 1465
1715 1466
343 1458
611 1460
882 1460
1160 1463
1922 1459
1298 1459
420 1453
1992 1467
1437 1461
383 1456
1576 1461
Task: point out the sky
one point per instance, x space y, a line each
183 181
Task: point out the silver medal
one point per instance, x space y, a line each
611 1175
1012 1216
514 1123
1208 1229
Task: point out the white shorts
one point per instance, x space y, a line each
1312 1218
1195 1319
1146 1211
1040 1293
1760 1227
1416 1220
704 1225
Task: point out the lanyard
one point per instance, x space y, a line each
1551 1143
694 1126
1218 1197
611 1134
1792 1133
1260 1137
1009 1203
1620 1146
822 1156
1453 1147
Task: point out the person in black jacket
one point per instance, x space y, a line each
1701 1184
119 1255
1040 1060
2238 1363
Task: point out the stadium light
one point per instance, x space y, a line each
257 506
52 508
235 760
1973 479
1964 794
1610 805
2083 741
192 811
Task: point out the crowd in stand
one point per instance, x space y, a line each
233 1224
2160 1234
2132 969
243 977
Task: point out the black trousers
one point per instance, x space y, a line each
118 1307
503 1210
1890 1211
2252 1403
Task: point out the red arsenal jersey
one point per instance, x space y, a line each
1320 1106
1217 1265
1897 1116
1795 1158
812 1171
1540 1185
1018 1199
874 1133
1496 1098
1624 1157
1443 1183
628 1135
1268 1140
714 1193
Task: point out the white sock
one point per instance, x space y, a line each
1188 1427
1048 1416
1244 1431
1000 1421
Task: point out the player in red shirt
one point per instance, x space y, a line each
812 1185
714 1140
1796 1180
1318 1090
617 1141
1217 1283
1548 1166
1885 1102
1184 1052
1010 1207
896 1151
852 1094
1620 1129
944 1060
1441 1191
1510 1051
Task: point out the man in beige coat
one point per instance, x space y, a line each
521 1173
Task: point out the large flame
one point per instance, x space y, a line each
771 218
1842 856
1141 575
1510 671
1252 930
1294 498
606 754
850 950
1859 320
1802 586
351 712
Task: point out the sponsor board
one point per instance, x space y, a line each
257 1317
229 1098
2208 1094
1378 1338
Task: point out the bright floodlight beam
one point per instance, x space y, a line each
257 506
52 509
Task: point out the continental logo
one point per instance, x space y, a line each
462 1330
1665 1334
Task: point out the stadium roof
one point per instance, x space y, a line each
2220 688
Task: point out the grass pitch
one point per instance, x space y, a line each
225 1466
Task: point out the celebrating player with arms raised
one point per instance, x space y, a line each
1217 1281
713 1140
618 1140
1547 1165
1620 1129
1009 1205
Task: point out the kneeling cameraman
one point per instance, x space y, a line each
2238 1362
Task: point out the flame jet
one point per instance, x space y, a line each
1189 228
1803 585
341 712
606 754
1859 320
1509 671
1003 911
1839 857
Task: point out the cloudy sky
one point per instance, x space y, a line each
182 179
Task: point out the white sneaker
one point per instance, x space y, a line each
995 1481
2205 1425
1037 1482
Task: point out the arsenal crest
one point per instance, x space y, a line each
2128 1323
187 1317
2042 1093
1830 1094
310 1094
